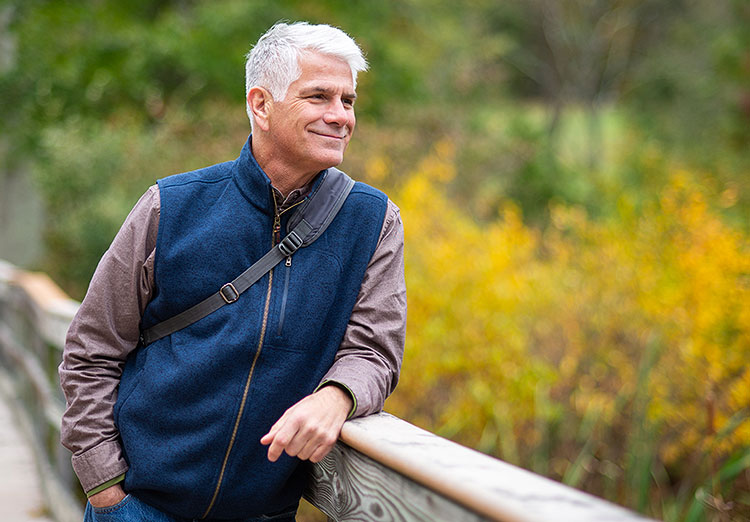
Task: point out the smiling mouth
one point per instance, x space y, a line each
326 135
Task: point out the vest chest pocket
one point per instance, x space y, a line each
305 290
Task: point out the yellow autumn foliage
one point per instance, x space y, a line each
580 342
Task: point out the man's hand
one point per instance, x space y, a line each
108 497
309 429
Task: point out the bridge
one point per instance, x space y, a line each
381 469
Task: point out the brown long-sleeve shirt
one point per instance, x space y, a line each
106 329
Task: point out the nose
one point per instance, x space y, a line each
337 113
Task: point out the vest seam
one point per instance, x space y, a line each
173 183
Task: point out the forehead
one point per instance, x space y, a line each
324 70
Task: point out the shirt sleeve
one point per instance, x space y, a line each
368 361
103 332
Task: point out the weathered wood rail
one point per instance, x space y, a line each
34 316
382 469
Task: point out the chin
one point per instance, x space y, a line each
330 160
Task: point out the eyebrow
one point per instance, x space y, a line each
327 90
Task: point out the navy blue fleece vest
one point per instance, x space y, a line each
221 383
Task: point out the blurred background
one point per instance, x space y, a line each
574 182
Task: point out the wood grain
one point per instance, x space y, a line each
439 473
348 486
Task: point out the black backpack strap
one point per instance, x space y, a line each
323 205
307 224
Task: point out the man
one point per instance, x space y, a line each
212 421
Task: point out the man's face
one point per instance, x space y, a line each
311 127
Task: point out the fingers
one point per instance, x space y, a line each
306 442
279 437
324 449
309 429
316 443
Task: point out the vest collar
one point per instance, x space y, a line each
254 184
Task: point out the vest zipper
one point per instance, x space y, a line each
275 240
244 396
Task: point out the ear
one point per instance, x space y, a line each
260 102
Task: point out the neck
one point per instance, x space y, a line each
283 176
286 184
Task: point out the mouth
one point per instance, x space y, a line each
330 135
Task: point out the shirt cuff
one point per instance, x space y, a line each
346 389
99 465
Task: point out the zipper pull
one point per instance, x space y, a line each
276 229
288 261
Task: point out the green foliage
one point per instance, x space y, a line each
82 160
558 349
91 172
93 58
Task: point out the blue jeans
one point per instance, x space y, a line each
130 509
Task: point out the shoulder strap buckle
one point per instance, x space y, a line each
290 244
229 293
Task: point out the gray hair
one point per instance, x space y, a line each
273 63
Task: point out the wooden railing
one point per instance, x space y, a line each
382 469
34 316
